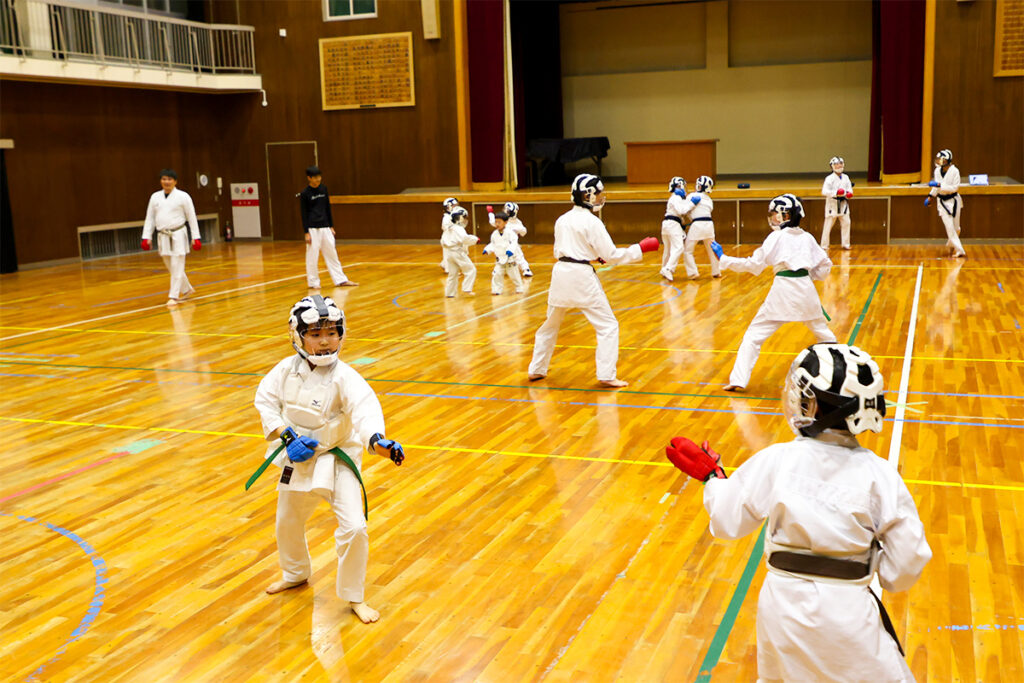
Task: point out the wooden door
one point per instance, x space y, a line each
286 177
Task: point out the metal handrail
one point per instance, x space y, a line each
89 33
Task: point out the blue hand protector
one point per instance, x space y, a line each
927 201
300 448
508 252
695 199
395 448
932 183
717 248
679 193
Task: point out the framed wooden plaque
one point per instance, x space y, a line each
367 72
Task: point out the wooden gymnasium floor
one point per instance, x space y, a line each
535 533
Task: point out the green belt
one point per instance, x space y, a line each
338 453
801 273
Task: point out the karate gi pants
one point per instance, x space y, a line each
844 230
672 238
606 326
454 262
691 265
322 240
180 286
952 222
351 540
498 277
758 332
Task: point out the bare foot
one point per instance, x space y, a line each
470 293
534 378
717 276
366 614
347 283
962 254
613 383
283 585
733 387
172 302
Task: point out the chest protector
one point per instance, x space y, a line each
312 407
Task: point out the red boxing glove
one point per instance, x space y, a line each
849 195
649 244
490 209
840 192
146 245
700 462
196 245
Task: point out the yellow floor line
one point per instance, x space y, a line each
483 451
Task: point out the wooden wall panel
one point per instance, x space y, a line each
867 224
975 114
984 217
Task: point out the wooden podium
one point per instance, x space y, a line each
658 162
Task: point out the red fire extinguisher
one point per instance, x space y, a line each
228 235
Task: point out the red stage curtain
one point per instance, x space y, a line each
896 87
485 43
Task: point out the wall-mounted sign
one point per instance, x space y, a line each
366 72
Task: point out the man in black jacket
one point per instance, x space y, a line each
318 224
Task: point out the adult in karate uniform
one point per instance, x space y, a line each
835 515
580 240
797 260
171 214
315 403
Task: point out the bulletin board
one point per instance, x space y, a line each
366 72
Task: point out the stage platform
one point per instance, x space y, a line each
881 213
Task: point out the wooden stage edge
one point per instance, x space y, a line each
625 192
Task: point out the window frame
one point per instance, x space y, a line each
326 4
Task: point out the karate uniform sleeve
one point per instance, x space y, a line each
518 228
150 224
362 406
603 246
847 184
951 182
754 263
828 188
190 216
687 206
905 551
467 239
821 269
738 505
268 400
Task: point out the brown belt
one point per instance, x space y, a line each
818 565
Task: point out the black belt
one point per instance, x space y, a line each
677 219
945 197
833 568
702 218
569 259
948 196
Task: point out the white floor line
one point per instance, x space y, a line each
163 305
901 401
495 310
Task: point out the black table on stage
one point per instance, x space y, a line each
543 151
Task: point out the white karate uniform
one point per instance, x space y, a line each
321 241
516 229
701 229
456 243
836 207
829 497
791 299
503 242
446 222
951 208
337 407
581 235
168 215
672 235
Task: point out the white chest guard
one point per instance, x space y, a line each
312 407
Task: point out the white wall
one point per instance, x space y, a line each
769 119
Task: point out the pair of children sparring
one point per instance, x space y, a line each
504 246
680 238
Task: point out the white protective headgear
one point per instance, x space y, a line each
836 160
585 189
677 183
786 204
705 184
512 209
450 203
945 155
459 216
833 386
309 311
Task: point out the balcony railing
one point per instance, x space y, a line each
64 30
